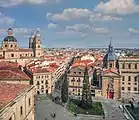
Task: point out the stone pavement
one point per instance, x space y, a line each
112 111
44 108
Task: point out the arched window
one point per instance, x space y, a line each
11 46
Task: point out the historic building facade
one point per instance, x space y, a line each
10 49
111 76
75 78
129 68
16 102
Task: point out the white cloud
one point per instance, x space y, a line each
71 13
5 20
22 30
70 33
101 17
118 7
83 28
77 13
9 3
52 25
132 30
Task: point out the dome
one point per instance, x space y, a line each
10 39
110 56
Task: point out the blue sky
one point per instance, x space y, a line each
73 23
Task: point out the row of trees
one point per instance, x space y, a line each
86 101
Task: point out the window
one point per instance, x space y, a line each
42 77
38 83
42 91
123 88
15 45
123 78
129 78
129 83
74 72
12 55
129 66
78 90
38 53
5 45
26 54
38 46
78 94
135 83
123 66
79 72
128 88
136 66
46 82
123 83
110 65
135 79
21 110
29 101
42 87
135 89
11 46
42 82
73 90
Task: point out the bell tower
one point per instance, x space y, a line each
37 45
111 76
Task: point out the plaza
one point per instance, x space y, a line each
44 107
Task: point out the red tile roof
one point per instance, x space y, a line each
8 92
10 71
111 70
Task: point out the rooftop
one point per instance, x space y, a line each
8 92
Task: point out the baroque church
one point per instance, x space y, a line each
111 78
11 50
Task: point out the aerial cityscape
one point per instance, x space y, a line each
69 60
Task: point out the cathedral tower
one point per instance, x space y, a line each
37 45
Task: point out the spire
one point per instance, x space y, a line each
32 34
110 50
38 32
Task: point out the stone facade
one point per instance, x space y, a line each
129 68
75 81
111 78
42 82
21 108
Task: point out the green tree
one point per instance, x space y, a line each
95 81
64 91
86 101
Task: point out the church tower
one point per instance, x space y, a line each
111 76
31 39
37 45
